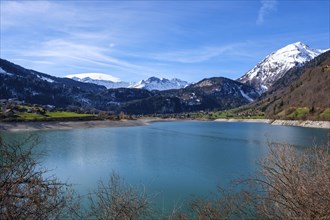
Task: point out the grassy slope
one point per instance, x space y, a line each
24 116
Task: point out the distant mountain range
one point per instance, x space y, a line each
152 83
261 77
217 93
101 79
38 88
94 91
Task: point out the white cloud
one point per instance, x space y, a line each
267 6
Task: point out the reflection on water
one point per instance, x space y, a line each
176 159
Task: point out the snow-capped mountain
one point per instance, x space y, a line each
110 82
154 83
275 65
94 76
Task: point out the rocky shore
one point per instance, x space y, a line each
244 120
309 124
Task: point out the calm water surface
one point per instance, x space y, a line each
174 159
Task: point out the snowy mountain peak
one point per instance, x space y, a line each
110 82
93 76
153 78
154 83
298 50
275 65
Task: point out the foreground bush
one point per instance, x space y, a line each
290 184
293 184
25 192
117 200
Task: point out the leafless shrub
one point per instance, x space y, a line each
25 191
227 203
293 184
175 214
117 200
206 209
290 184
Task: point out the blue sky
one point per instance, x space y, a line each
133 40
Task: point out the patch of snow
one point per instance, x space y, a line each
264 88
2 71
106 83
246 96
46 79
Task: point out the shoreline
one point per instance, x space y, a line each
67 125
306 124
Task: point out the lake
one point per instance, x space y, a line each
173 159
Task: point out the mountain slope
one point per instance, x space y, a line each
275 65
39 88
302 93
217 93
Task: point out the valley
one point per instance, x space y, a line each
291 83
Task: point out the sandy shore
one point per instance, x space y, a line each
58 125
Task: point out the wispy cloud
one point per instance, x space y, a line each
199 54
33 13
66 51
192 55
267 6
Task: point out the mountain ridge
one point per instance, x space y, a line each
147 96
39 88
152 83
302 93
276 64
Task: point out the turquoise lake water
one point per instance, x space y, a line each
175 160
